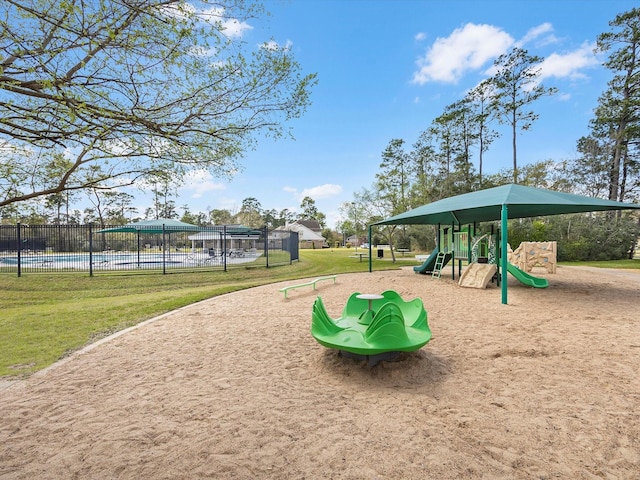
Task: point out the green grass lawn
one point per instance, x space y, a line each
626 264
45 316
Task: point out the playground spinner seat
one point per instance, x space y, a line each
392 325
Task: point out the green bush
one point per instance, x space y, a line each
580 237
578 250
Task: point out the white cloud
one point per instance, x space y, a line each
118 146
199 51
197 183
235 28
274 46
230 204
181 10
467 48
231 27
536 32
420 36
327 190
569 65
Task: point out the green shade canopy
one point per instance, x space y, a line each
501 203
486 205
160 225
215 231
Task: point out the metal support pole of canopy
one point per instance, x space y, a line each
503 250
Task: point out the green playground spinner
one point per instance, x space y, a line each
373 328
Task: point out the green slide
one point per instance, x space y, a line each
428 264
527 279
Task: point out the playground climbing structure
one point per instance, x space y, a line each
534 254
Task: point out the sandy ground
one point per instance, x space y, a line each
236 387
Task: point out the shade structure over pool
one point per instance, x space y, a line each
164 226
502 203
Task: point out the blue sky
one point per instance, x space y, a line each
387 68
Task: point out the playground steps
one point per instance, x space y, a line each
437 268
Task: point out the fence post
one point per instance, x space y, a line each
18 246
90 250
224 247
164 250
266 245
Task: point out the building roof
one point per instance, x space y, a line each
313 225
304 232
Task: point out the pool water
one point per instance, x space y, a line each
110 260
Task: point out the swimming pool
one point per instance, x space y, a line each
108 261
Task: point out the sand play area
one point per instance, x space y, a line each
236 388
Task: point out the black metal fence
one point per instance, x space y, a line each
86 248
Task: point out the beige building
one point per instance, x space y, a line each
309 233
